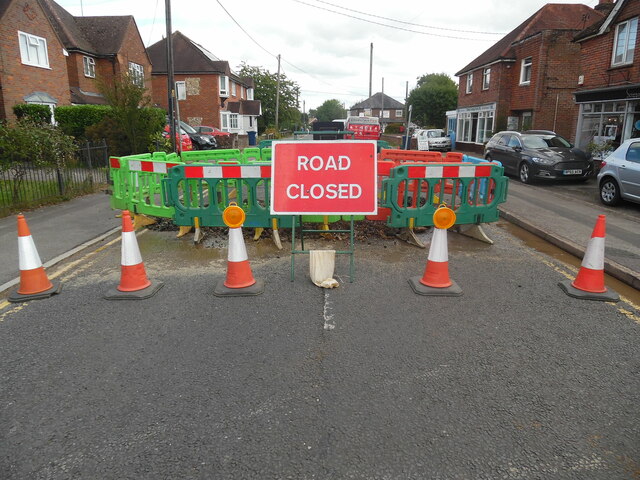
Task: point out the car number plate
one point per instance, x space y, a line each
572 172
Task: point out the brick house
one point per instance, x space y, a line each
608 85
526 80
98 47
53 58
387 109
34 68
215 97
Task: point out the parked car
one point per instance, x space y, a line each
619 176
539 156
185 141
216 132
200 141
432 139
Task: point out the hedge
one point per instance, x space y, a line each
74 119
33 111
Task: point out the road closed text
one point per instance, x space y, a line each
324 177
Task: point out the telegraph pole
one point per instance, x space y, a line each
370 68
170 82
278 95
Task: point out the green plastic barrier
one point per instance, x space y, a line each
251 155
473 191
204 191
265 144
265 154
118 169
211 156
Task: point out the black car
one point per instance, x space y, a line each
539 156
199 140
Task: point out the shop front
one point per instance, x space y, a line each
608 116
475 126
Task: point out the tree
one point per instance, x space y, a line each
330 110
265 90
435 94
131 123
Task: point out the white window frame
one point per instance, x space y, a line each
233 121
629 43
234 92
486 78
136 71
224 86
89 66
224 121
386 113
399 113
249 93
33 50
469 88
526 66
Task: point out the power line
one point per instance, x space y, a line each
408 23
245 32
391 26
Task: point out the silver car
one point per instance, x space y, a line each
619 176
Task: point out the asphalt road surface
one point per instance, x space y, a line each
513 380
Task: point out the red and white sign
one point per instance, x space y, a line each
331 177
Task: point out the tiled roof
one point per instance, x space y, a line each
188 57
552 16
607 9
96 35
376 101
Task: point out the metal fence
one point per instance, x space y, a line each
28 185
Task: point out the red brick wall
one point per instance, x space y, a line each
18 80
202 106
133 50
595 56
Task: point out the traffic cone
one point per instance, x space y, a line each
589 284
134 284
436 281
239 281
34 283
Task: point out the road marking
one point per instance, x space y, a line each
329 324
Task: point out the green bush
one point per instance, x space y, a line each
35 112
393 128
74 119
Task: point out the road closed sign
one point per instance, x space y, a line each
332 177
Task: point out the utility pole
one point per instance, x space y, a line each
382 107
370 68
278 95
170 83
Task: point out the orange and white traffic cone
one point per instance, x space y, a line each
239 281
589 284
435 280
134 284
34 283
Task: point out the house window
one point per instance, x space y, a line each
224 121
386 114
233 121
33 50
233 89
486 78
89 67
485 126
625 41
469 83
224 86
399 113
249 93
367 112
137 74
525 71
527 121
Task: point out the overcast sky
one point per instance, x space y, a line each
325 44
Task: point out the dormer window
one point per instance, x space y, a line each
625 42
89 67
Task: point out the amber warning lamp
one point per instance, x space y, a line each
444 217
233 215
